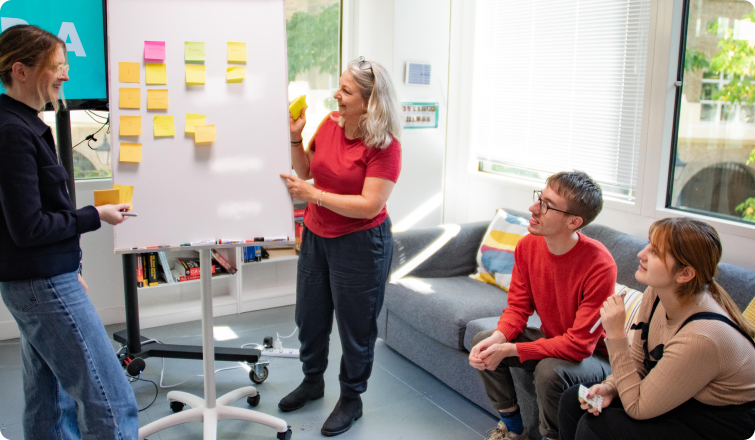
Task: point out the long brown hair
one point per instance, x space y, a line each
30 46
695 244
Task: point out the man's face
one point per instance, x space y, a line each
552 222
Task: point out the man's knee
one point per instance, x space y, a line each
481 335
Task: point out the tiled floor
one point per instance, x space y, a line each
402 402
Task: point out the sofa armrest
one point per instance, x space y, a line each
457 257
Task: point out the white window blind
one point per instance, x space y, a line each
559 85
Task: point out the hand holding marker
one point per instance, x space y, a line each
621 293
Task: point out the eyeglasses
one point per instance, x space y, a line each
537 196
62 70
365 65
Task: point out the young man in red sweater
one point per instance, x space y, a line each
565 277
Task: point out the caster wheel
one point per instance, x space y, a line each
176 406
253 401
284 435
258 379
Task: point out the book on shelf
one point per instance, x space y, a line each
145 266
152 269
139 271
284 252
165 268
299 212
179 276
220 259
190 266
252 253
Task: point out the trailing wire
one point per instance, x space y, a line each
91 137
137 378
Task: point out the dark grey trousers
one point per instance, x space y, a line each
552 377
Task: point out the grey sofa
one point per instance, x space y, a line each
431 318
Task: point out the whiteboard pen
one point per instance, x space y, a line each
600 320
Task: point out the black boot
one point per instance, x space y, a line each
308 390
347 411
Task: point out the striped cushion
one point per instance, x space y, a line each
632 303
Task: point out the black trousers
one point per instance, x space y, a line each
690 421
346 275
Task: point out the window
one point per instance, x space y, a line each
560 85
713 156
312 27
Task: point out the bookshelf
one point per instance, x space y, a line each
255 286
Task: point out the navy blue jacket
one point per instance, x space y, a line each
39 227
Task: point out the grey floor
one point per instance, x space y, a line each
402 401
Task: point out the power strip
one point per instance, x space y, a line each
281 352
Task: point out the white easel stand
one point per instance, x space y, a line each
209 410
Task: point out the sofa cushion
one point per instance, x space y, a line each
623 248
738 283
442 307
495 258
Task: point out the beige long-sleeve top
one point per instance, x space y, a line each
707 360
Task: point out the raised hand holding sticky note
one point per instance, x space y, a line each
154 51
297 106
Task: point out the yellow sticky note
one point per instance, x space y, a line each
130 152
157 99
129 98
127 193
297 106
157 74
204 134
131 126
194 120
164 126
236 52
235 74
128 72
107 197
195 74
193 51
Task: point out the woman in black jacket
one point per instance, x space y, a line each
74 386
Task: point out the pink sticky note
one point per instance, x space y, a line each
154 51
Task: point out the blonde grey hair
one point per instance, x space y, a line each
382 122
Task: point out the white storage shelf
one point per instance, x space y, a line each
256 285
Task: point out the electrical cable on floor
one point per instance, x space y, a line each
133 379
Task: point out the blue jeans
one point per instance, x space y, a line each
74 386
347 275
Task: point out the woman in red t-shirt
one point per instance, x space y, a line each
346 247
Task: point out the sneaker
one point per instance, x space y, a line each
501 432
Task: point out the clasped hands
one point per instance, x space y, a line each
489 352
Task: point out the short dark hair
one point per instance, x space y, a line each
583 195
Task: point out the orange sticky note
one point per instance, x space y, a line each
235 74
195 74
128 72
127 193
157 99
131 126
204 134
164 126
129 98
107 197
236 52
194 120
130 152
156 73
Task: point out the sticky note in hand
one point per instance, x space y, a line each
130 125
129 98
297 106
157 99
130 152
107 197
235 74
194 120
164 126
128 72
157 73
236 52
195 74
127 193
204 134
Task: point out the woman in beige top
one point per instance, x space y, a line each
690 371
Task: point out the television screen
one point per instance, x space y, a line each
81 24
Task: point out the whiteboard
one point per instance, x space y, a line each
186 192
